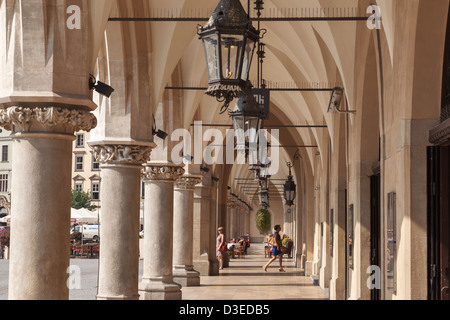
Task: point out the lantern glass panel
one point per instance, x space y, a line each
289 191
210 44
264 183
256 174
252 129
231 56
239 129
263 197
289 195
248 57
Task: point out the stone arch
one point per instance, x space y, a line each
124 64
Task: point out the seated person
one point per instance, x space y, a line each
285 241
231 244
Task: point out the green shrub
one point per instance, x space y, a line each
263 221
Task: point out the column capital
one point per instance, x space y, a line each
122 154
188 182
162 171
51 119
231 204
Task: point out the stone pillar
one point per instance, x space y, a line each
247 223
204 246
213 225
40 198
238 223
157 280
228 228
183 231
289 221
232 222
121 167
228 223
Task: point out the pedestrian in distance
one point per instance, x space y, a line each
221 247
276 250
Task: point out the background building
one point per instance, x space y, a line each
86 174
5 172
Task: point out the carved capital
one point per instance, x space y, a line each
163 172
231 203
188 182
122 154
47 119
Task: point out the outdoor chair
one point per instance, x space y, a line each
239 251
288 250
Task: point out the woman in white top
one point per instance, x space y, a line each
220 242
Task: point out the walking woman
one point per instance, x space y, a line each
220 247
276 250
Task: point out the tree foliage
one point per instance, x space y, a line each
81 199
263 220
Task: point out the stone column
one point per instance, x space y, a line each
204 244
247 223
232 222
229 227
157 280
228 223
289 221
240 220
40 198
183 231
121 167
237 215
213 225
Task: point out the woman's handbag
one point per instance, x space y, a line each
272 241
223 247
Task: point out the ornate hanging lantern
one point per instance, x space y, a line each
229 41
247 121
290 189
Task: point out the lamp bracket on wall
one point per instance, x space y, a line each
336 101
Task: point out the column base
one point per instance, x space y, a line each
301 261
324 281
159 289
208 267
311 268
186 276
117 298
214 267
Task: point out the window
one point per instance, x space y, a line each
79 161
95 191
5 154
80 141
95 164
78 187
3 183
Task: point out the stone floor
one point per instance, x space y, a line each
243 280
246 280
